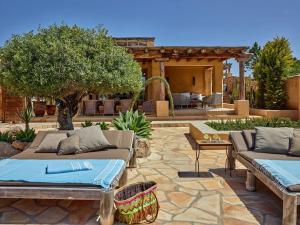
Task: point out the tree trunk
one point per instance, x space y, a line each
67 109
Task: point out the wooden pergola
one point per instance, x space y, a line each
165 53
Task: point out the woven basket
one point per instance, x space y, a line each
137 203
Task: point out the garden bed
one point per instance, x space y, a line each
251 123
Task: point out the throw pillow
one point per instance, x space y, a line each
50 142
294 146
91 139
249 136
272 140
68 145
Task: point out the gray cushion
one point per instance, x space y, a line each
50 142
272 140
249 136
238 141
91 139
294 146
69 145
296 132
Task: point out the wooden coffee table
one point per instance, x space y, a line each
201 144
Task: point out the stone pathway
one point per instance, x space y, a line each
219 199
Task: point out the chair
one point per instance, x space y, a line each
213 100
109 107
90 108
125 105
147 107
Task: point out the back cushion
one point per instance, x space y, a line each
249 136
273 140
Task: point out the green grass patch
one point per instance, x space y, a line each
251 123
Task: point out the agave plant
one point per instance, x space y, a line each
103 125
26 135
135 122
26 116
87 123
6 137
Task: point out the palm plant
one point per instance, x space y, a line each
26 135
87 123
6 137
135 122
103 125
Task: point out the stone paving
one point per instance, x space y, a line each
219 199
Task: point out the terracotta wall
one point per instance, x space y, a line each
293 91
181 79
9 106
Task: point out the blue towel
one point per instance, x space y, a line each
105 173
72 166
285 172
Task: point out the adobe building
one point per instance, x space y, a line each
194 69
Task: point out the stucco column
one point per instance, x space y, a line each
208 81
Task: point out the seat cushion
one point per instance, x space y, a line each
252 155
249 136
50 142
272 140
68 145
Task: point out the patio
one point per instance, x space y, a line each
220 199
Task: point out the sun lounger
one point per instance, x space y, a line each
124 140
279 172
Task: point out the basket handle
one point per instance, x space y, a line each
156 213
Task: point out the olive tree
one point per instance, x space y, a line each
67 62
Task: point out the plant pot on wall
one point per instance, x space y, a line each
39 108
50 109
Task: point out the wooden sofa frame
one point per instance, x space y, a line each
290 199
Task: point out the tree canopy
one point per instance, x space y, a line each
271 71
60 60
66 62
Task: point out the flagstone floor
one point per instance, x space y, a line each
220 199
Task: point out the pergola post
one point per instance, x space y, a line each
162 95
242 90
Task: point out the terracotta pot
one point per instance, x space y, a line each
39 108
50 110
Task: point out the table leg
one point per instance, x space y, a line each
230 164
197 164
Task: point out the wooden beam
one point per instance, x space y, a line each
161 59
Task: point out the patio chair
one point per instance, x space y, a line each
125 105
147 107
90 108
213 100
108 107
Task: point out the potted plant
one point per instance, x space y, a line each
141 127
39 108
50 108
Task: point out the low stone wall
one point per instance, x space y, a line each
228 106
292 114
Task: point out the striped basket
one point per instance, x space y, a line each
137 203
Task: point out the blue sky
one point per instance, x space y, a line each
172 22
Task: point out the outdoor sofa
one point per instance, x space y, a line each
123 140
278 170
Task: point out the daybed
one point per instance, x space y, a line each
124 140
266 166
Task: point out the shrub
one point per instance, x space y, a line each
251 123
6 137
26 135
103 125
135 122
